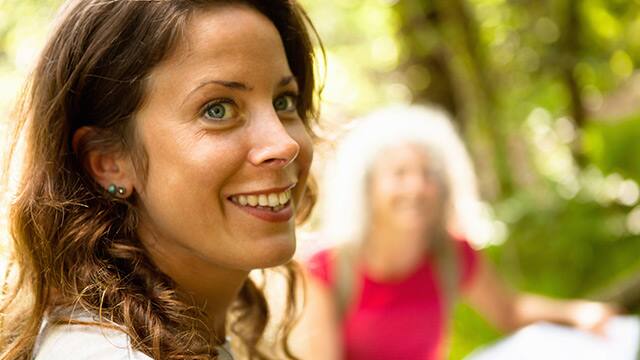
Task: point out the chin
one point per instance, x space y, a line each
418 225
274 252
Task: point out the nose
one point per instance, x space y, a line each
418 184
272 145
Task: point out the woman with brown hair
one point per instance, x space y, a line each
167 154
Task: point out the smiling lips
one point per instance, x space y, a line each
273 200
272 206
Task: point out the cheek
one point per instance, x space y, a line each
305 154
434 192
303 138
382 193
188 175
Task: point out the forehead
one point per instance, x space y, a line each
233 26
402 154
233 40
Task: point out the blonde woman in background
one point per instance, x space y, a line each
399 205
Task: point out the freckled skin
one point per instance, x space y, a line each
191 229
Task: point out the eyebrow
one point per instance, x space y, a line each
286 80
236 85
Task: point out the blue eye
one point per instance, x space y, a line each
220 110
286 102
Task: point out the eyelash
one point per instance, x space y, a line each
211 104
292 94
294 99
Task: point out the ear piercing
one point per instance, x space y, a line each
119 190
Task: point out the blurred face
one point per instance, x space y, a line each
404 190
228 154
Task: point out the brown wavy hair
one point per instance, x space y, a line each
73 243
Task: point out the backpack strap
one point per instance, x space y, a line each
447 270
345 277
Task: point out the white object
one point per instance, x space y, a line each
621 341
90 342
84 342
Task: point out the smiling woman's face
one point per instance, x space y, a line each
221 131
404 190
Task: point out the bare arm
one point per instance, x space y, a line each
509 310
318 334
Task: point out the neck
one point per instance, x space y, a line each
390 252
200 283
210 289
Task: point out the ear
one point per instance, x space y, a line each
114 171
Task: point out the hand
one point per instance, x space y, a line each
591 316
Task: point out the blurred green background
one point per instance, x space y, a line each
545 92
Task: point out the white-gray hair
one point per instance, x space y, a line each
345 213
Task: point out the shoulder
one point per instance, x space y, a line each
321 264
468 259
464 250
80 342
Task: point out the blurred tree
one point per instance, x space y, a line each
458 73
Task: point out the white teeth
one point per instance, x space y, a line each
273 200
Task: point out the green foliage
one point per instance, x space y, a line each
23 27
614 146
469 330
559 249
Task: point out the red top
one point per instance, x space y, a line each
395 320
